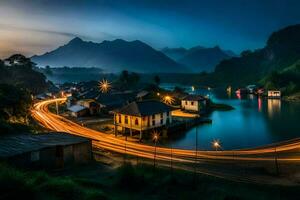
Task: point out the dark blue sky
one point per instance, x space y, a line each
33 27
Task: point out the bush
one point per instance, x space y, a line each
62 189
13 184
128 178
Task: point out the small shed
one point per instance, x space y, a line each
91 105
194 103
46 150
78 110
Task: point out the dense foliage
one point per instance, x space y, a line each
22 75
288 80
18 81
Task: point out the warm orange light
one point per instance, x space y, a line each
168 99
216 144
104 86
155 136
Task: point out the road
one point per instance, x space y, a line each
282 156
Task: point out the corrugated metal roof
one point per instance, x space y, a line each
12 145
194 98
144 108
76 108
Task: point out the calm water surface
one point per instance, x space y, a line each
253 122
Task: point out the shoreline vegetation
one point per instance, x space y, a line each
220 107
292 98
99 181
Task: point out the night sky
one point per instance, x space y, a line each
36 26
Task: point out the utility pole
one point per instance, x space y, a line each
56 107
196 149
171 159
154 159
125 148
276 162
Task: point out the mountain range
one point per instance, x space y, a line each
199 58
111 56
117 55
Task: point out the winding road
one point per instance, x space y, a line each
281 157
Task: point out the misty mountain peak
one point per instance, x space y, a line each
76 40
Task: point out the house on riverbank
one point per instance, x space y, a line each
142 116
46 150
275 94
194 103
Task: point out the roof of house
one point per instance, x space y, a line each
194 98
114 100
144 108
142 94
12 145
76 108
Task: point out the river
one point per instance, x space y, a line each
253 122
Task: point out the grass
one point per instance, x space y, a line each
132 182
17 184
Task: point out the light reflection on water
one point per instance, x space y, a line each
254 122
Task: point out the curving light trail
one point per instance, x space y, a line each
284 150
224 164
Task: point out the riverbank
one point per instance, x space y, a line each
98 181
292 98
219 106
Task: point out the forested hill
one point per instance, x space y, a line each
281 51
18 71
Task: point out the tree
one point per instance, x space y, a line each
14 102
23 75
157 80
124 76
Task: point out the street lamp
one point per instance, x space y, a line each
56 104
104 86
155 139
168 99
216 144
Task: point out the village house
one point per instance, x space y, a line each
45 150
78 110
274 94
91 105
142 116
194 103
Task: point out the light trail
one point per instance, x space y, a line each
286 152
